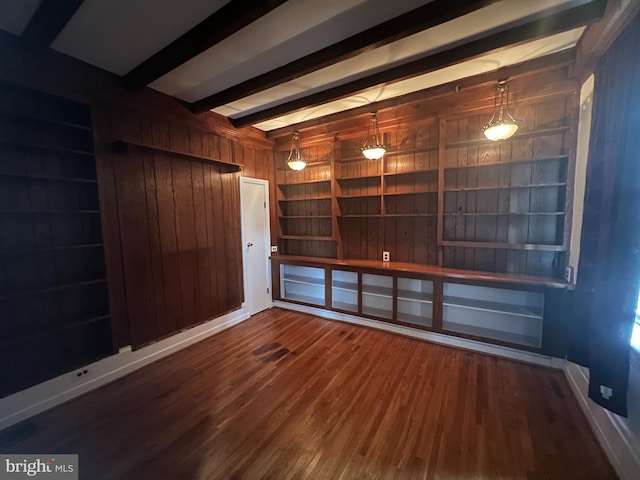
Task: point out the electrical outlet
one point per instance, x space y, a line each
274 248
77 375
606 392
386 256
568 274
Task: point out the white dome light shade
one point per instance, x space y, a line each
297 164
502 125
500 130
374 152
295 160
373 148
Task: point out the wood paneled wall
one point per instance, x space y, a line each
171 226
443 194
178 219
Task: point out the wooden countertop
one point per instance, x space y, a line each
431 270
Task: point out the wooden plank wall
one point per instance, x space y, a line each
426 201
171 227
179 237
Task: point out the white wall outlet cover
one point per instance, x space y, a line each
274 248
386 256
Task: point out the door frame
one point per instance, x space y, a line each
265 184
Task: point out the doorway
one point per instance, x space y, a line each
254 213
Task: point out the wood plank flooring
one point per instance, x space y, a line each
286 395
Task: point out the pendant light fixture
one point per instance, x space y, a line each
295 160
502 125
373 147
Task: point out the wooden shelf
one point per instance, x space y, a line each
323 197
46 148
287 217
378 215
306 182
45 178
534 133
515 162
364 177
386 292
347 286
410 151
49 332
431 271
48 212
495 214
43 121
397 194
495 307
51 249
370 195
304 280
415 296
122 146
307 238
52 289
409 172
482 333
505 187
504 246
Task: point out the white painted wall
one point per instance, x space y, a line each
582 156
619 436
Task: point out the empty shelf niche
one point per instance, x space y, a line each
344 290
505 315
302 284
377 295
415 301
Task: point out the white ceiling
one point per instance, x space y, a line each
118 36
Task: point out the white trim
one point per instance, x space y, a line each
620 445
41 397
434 337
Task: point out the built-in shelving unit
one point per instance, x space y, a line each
53 289
305 209
506 315
415 302
443 194
494 308
303 284
377 295
344 290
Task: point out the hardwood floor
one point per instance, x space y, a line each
286 395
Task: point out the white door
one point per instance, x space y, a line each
254 207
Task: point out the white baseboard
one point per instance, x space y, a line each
443 339
621 446
41 397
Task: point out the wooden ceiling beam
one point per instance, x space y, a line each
427 16
231 18
48 21
550 22
548 62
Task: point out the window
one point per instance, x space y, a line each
635 336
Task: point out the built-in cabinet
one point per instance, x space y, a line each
54 305
503 309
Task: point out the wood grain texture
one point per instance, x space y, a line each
288 395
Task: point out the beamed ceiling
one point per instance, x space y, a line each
277 63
